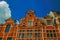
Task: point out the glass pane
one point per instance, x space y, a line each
21 35
30 23
49 22
59 19
29 35
51 35
50 31
7 28
0 38
22 30
9 38
54 35
47 31
48 35
29 30
37 35
53 31
37 30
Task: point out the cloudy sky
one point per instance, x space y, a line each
5 12
17 8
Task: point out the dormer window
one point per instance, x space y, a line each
49 22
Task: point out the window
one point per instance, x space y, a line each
36 24
59 20
54 21
29 35
49 22
9 38
51 33
48 35
37 35
29 30
58 13
37 30
22 30
7 28
1 29
30 23
0 38
21 35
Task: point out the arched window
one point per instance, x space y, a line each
7 28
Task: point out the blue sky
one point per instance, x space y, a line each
41 7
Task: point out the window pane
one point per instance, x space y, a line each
49 22
37 35
22 30
29 35
50 31
7 28
47 31
53 31
30 23
37 30
54 35
21 35
51 35
9 38
48 35
59 20
29 30
0 38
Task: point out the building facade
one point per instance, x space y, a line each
32 27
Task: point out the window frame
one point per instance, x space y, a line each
37 35
51 34
30 22
21 35
1 38
29 35
8 38
51 24
58 21
8 27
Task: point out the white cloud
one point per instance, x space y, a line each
17 22
5 12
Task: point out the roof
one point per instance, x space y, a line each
10 19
